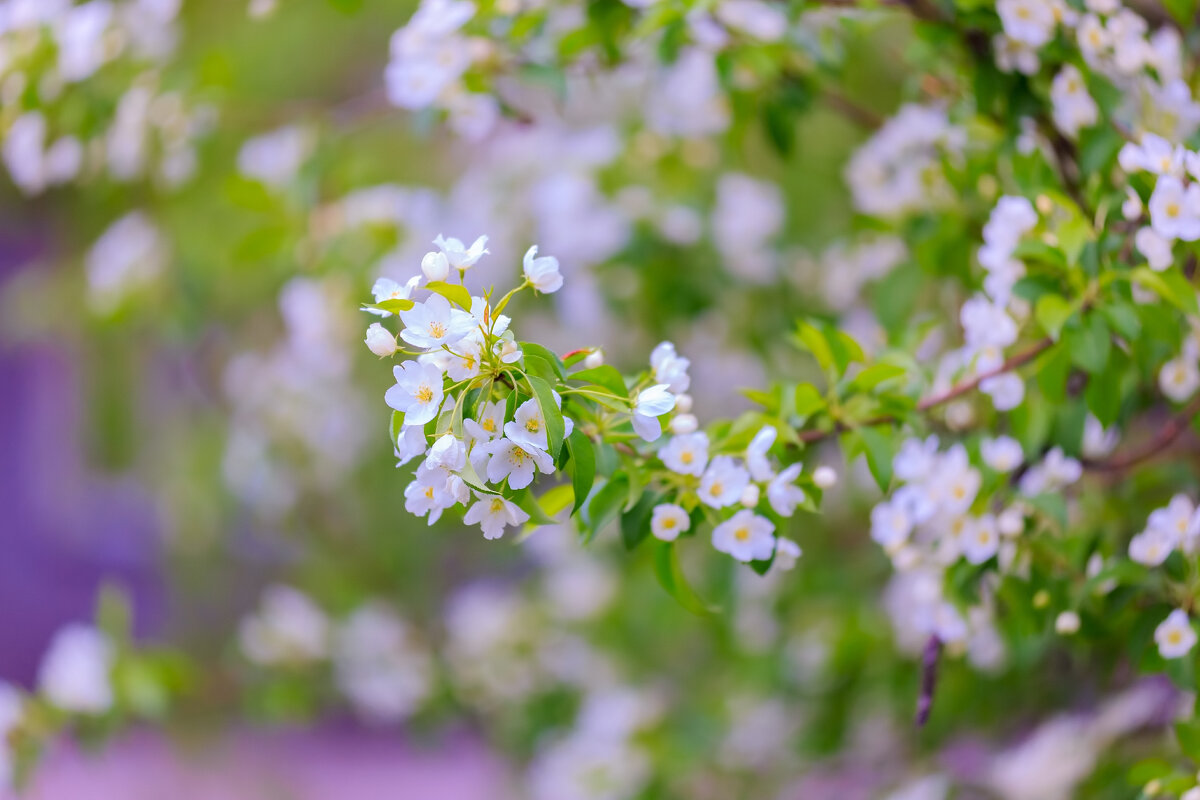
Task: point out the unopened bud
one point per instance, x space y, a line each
435 266
380 341
683 403
684 423
1041 599
750 496
824 477
594 359
1067 623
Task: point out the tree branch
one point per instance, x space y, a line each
954 392
1166 434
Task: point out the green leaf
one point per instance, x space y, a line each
874 375
1188 734
391 306
547 355
606 503
604 376
1089 344
555 428
635 523
583 467
1184 11
1051 313
1170 286
530 505
812 340
536 365
453 292
878 444
808 400
670 575
1123 319
397 426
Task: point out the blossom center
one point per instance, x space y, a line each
741 534
425 394
437 330
686 457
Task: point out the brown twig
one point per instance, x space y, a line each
1166 434
954 392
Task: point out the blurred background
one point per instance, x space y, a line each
195 446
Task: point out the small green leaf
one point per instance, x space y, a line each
606 503
451 291
635 523
583 467
874 375
1052 312
1170 286
555 428
1188 734
812 340
391 306
397 426
808 400
547 355
604 376
1089 344
670 575
878 444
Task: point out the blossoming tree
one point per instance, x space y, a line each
1005 340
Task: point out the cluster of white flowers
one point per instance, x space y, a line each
85 37
379 665
931 522
598 759
458 349
728 483
1175 527
898 170
1115 42
128 257
989 318
428 58
928 520
296 415
843 269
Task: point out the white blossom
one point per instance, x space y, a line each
542 273
745 536
686 454
650 405
1175 636
668 520
722 482
76 672
417 393
493 514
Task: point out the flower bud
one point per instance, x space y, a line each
1010 522
1041 599
435 266
594 359
684 423
1067 623
683 403
380 341
824 477
750 496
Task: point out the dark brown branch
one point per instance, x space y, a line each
954 392
1166 435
